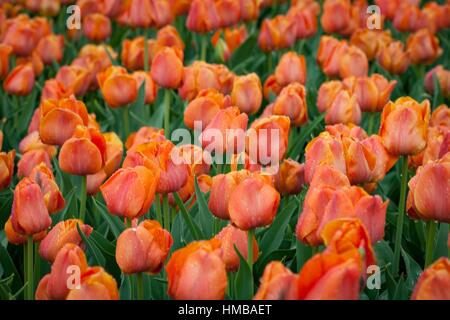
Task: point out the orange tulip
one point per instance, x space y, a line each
96 284
169 37
6 168
253 203
62 233
423 47
290 177
167 59
277 33
407 18
405 115
74 79
5 52
20 81
151 89
84 153
118 87
425 187
434 282
29 212
22 35
197 272
139 13
440 116
305 19
277 283
443 78
97 27
228 12
330 54
55 90
371 41
271 88
328 92
438 144
291 102
33 141
203 16
132 55
344 109
144 135
142 185
144 248
291 68
18 239
353 63
43 176
230 236
30 160
51 48
247 93
198 159
232 39
394 58
54 286
337 17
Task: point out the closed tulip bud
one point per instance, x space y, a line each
277 283
443 78
253 203
74 79
6 168
51 48
29 212
97 27
407 19
21 35
132 55
84 153
247 93
353 63
328 92
393 58
271 88
54 286
16 238
197 272
96 284
118 87
203 16
169 37
423 47
292 103
229 237
30 160
62 233
291 68
344 109
384 161
167 59
43 176
370 41
330 54
440 116
329 276
333 9
305 19
434 282
249 9
277 33
59 118
290 177
20 81
228 12
438 144
405 115
151 89
35 60
142 185
425 187
139 14
144 248
5 52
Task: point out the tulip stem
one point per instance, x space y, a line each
431 234
401 216
167 98
126 122
146 64
29 268
371 124
166 210
139 285
270 62
204 46
158 210
83 196
250 235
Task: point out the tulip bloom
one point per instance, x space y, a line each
20 81
62 233
434 282
290 177
353 63
438 144
54 286
5 52
337 8
277 33
291 68
51 48
305 19
30 160
424 200
253 203
370 42
6 168
132 55
168 59
423 47
96 284
198 159
84 153
43 176
144 248
330 54
344 109
203 16
151 89
141 188
17 238
443 78
97 27
271 88
75 79
277 283
21 35
440 116
405 115
59 118
393 58
197 272
291 102
29 212
55 90
118 87
247 93
372 92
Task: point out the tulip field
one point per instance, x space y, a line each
224 150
